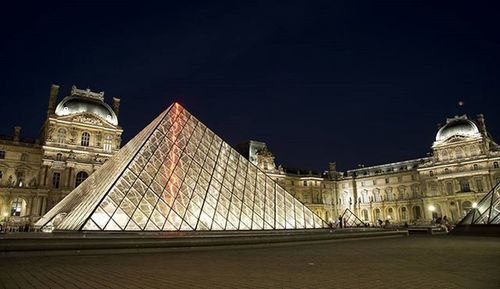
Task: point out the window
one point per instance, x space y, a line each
445 155
2 154
365 215
85 139
390 213
400 179
377 214
446 171
417 212
61 136
17 206
24 157
413 177
305 183
80 177
466 207
431 173
56 179
59 157
404 214
386 180
1 174
479 185
449 188
464 186
475 167
495 165
108 144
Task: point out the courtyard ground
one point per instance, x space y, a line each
402 262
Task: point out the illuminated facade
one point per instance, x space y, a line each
462 168
80 133
177 174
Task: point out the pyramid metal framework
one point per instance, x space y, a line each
487 210
177 174
351 220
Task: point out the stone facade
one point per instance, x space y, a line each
462 168
80 133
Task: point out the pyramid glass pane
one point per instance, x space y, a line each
487 210
176 174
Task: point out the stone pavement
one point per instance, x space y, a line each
409 262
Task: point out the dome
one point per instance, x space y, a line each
76 104
458 126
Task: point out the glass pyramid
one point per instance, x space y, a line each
177 174
351 220
487 210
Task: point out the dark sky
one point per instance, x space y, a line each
319 81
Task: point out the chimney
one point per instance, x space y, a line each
17 133
54 90
481 124
116 106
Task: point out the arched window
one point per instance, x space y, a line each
404 214
61 136
390 213
475 167
377 214
17 207
417 212
108 143
85 139
59 157
80 177
466 207
495 165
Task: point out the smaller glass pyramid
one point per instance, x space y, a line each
177 174
487 210
351 220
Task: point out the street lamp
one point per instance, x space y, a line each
474 205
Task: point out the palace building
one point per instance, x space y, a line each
80 133
462 168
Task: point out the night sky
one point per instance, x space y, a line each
318 81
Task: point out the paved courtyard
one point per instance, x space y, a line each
410 262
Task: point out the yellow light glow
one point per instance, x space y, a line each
432 208
474 205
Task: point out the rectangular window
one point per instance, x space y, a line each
464 186
305 183
449 188
56 178
386 180
479 185
2 154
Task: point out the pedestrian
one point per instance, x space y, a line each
340 222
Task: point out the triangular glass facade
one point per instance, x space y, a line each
177 174
487 210
351 220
